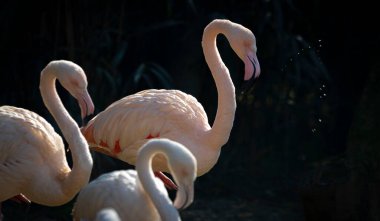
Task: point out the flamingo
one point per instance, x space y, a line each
137 194
32 154
123 127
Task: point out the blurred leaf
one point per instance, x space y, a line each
119 55
151 71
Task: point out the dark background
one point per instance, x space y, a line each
304 144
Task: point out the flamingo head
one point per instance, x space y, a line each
243 42
73 79
183 167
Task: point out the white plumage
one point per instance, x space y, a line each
137 194
107 214
32 155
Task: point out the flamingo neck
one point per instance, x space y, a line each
225 114
82 162
161 201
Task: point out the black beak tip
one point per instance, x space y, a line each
247 85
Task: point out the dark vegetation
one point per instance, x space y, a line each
304 145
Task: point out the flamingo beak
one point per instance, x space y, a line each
252 71
166 180
86 105
185 196
252 66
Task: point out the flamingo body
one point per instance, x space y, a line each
137 194
153 113
30 149
110 191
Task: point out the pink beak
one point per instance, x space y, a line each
86 105
252 66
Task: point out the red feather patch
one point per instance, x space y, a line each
117 148
150 136
103 144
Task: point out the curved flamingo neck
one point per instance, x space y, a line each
54 104
161 202
225 114
82 160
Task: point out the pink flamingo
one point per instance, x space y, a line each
32 155
122 128
137 194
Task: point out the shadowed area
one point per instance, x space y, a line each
303 142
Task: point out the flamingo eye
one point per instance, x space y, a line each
184 172
74 82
